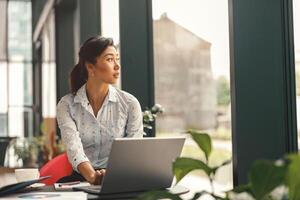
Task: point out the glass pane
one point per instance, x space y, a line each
3 124
110 19
296 12
49 69
49 89
3 31
48 39
110 24
3 87
19 29
191 65
20 121
20 84
3 99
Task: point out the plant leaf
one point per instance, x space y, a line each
242 188
214 169
265 176
203 141
293 177
158 194
199 194
182 166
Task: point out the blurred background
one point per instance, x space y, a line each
184 67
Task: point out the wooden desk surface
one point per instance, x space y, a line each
7 176
4 170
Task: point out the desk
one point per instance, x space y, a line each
51 189
7 177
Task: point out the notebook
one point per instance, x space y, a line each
13 188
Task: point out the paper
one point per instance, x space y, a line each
69 185
48 195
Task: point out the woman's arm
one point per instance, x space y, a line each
88 172
72 141
134 126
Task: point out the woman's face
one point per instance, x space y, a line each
107 66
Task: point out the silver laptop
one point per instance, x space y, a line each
138 164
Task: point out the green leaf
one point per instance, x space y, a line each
241 189
182 166
266 176
203 141
293 177
214 169
200 194
154 195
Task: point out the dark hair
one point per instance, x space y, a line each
89 51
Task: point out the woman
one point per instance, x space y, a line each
95 112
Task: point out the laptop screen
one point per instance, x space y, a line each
141 164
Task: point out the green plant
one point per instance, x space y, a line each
27 149
268 180
223 91
184 165
149 116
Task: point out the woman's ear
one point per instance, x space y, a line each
90 69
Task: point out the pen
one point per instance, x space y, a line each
68 183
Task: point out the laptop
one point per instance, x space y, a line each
137 165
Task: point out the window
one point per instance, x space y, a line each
191 64
296 12
110 24
16 110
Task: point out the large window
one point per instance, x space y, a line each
16 104
191 64
296 12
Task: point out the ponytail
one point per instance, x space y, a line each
78 77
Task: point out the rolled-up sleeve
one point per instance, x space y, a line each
70 135
134 127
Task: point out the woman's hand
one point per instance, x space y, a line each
92 176
98 177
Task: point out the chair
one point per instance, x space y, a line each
57 168
4 144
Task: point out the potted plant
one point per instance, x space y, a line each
268 180
28 149
149 116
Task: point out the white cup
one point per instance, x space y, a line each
27 174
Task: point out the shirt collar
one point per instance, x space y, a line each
112 94
81 96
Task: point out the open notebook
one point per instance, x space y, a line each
13 188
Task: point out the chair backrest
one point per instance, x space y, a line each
4 143
57 168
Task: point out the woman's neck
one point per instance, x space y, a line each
96 94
